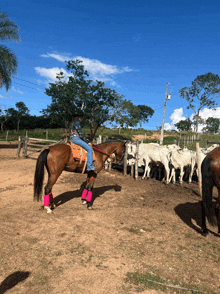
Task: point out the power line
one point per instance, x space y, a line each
27 82
29 87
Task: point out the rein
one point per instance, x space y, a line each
95 148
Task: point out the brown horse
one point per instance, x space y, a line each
210 169
59 157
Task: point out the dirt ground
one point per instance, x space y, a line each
137 226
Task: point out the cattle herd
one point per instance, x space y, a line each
167 162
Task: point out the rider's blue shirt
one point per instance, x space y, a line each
77 130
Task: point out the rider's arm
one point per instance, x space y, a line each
80 132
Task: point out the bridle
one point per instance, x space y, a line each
113 155
95 148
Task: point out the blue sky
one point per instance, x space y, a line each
135 47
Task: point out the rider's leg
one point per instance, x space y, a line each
78 141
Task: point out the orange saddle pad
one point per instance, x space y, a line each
79 153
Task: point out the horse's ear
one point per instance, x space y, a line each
124 143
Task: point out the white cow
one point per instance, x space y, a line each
202 154
151 154
180 159
156 156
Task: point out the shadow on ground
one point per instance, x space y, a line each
12 280
189 212
97 192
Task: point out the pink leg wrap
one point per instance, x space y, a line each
46 200
89 196
84 193
51 197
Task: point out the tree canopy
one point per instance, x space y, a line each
212 125
75 92
100 104
8 62
130 115
204 89
184 125
17 114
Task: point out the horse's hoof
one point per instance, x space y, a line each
205 232
89 206
48 209
84 201
52 205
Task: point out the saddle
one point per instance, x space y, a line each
79 153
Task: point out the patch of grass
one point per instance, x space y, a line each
33 240
144 281
149 281
138 229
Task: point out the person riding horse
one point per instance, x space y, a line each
77 137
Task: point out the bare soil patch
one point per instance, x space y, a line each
140 226
153 136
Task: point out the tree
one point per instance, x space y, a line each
144 112
70 94
8 62
197 120
184 125
19 113
205 88
129 115
126 114
3 119
212 125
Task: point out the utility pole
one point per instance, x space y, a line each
167 97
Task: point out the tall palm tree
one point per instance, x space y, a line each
8 62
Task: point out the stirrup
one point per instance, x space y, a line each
95 169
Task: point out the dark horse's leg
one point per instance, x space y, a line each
204 227
217 207
87 192
48 197
207 187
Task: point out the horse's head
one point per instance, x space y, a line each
119 150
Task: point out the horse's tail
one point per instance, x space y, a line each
39 174
207 187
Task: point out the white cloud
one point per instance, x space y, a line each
178 115
3 97
50 73
96 68
206 113
56 56
17 90
175 117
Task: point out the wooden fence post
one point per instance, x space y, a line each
136 160
126 159
110 166
199 168
25 146
19 146
132 170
